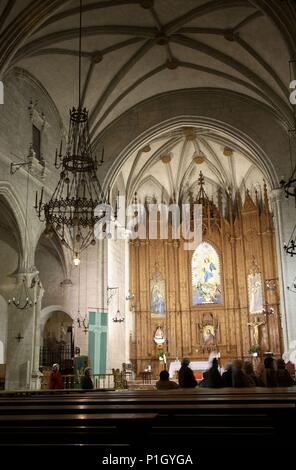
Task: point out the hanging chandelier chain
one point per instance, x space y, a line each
80 42
85 320
78 300
70 212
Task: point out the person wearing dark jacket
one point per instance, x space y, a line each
227 376
239 378
283 377
268 376
249 371
164 382
212 377
86 380
185 376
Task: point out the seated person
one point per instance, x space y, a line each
227 375
249 371
283 377
186 376
268 376
212 377
86 380
164 382
239 378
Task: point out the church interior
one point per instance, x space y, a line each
147 217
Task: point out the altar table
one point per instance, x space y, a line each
194 365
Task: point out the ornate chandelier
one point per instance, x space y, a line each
70 212
267 309
118 318
23 300
290 186
290 247
292 287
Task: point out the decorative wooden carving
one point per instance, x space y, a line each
241 235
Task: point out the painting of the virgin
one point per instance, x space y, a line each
206 278
157 296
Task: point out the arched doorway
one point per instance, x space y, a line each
10 260
58 342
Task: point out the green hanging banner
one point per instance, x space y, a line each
97 341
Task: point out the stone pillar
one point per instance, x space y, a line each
284 220
117 277
23 335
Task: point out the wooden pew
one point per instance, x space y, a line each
156 415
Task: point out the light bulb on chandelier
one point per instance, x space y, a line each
76 260
267 309
130 295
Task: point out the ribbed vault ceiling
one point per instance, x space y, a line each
167 169
135 49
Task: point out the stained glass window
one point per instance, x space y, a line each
206 275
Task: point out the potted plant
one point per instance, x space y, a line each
161 355
254 350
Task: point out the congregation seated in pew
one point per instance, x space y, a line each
284 378
238 374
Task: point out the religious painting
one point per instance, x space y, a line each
157 296
206 275
208 334
208 331
255 293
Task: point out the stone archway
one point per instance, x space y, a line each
242 137
57 340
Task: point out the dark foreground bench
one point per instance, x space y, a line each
149 420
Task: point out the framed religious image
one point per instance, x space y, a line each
206 275
157 296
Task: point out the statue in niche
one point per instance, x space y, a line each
159 336
255 289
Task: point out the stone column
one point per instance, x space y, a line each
284 212
23 334
116 352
